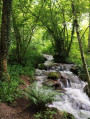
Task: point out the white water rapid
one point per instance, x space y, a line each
73 100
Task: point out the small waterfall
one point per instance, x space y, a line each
73 100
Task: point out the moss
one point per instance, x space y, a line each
53 75
41 66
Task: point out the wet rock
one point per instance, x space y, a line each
54 76
84 107
52 83
57 86
74 70
65 82
87 90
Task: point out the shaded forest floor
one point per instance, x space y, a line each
17 110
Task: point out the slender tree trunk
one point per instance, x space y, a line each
89 29
72 33
18 39
0 2
0 15
4 41
80 45
82 54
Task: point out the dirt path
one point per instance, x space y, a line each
17 111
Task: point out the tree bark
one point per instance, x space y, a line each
72 33
0 16
80 45
89 30
18 39
82 54
4 41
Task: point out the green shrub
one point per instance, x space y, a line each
35 58
31 56
40 95
17 69
8 91
53 75
30 61
47 114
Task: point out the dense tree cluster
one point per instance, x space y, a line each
59 21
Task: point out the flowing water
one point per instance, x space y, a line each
73 100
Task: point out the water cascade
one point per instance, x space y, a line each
73 100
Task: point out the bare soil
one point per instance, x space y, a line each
17 110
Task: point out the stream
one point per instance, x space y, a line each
73 98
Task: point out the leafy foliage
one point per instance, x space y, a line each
68 116
47 114
9 91
40 96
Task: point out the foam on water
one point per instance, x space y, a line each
74 100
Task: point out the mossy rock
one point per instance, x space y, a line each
41 66
54 75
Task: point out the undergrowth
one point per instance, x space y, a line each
45 114
9 91
39 95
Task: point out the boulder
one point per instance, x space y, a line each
49 83
54 76
65 82
55 84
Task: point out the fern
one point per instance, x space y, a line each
40 95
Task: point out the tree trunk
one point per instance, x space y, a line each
82 54
4 41
89 30
18 39
72 33
0 16
80 44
